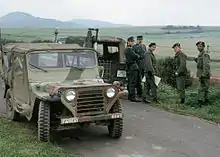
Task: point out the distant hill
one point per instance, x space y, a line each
97 23
25 20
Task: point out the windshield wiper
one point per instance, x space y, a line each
38 67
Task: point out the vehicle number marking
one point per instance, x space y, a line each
116 115
69 120
121 73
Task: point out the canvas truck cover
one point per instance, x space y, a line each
25 47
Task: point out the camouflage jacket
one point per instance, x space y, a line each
180 63
203 65
150 62
131 59
140 50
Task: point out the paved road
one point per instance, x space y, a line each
149 132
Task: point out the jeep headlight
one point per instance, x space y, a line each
110 92
70 95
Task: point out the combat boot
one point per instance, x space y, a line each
182 101
145 100
207 101
155 101
200 103
134 99
139 96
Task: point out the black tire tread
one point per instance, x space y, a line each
116 125
44 122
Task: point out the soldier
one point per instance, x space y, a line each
150 71
140 49
132 69
203 73
180 71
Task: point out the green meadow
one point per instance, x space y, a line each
211 36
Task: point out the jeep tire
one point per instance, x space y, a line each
115 127
12 114
44 122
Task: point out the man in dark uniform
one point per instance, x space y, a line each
203 73
150 71
180 71
140 49
132 69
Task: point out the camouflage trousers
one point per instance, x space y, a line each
203 89
149 87
180 84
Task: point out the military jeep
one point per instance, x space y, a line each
60 86
110 53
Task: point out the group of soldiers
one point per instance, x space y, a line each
141 62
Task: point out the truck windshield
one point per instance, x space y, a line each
84 59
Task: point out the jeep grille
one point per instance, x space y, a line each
90 102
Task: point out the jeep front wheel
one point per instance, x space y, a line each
11 113
44 122
115 127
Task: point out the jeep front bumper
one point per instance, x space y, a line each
90 118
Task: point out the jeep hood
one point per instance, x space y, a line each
45 88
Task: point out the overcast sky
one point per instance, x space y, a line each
135 12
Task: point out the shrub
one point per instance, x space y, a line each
41 41
6 41
165 70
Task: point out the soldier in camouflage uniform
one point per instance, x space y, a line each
203 73
132 69
180 71
150 71
140 49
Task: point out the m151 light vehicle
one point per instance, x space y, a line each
60 86
111 53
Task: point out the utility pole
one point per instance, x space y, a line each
208 48
56 34
0 34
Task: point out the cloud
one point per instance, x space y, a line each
138 12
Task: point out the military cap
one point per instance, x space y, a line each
140 37
176 44
200 43
131 38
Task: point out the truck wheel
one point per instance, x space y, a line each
44 122
115 127
11 113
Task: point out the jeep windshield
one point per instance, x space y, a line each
64 65
44 60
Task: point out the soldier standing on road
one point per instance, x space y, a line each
150 71
132 69
140 49
203 73
180 71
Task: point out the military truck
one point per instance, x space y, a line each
110 53
59 85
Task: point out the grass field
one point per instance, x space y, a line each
168 98
164 42
19 140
